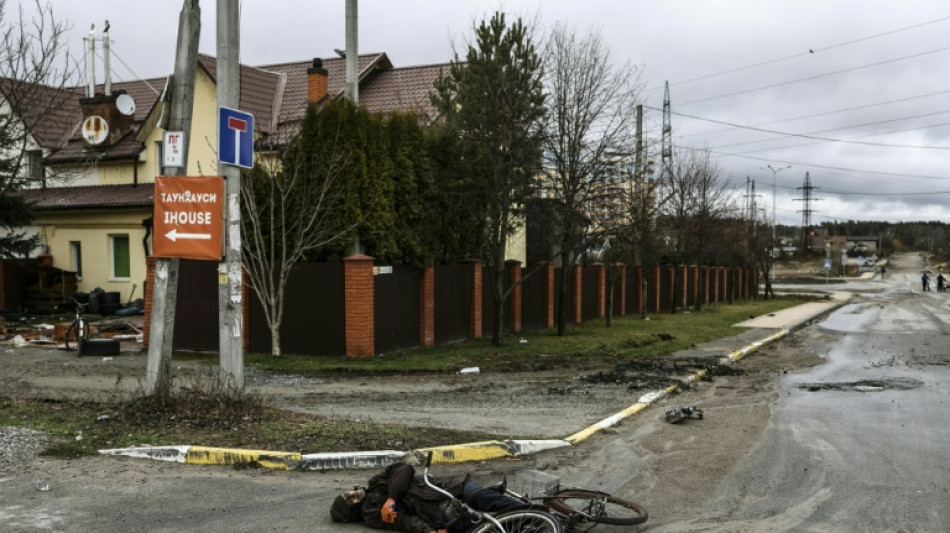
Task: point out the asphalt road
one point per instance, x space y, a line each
858 443
854 443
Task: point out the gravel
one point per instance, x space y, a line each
19 445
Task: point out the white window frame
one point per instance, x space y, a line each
112 257
75 258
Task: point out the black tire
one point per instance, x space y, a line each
522 521
598 507
77 332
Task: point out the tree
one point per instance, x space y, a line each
34 71
589 138
493 102
291 208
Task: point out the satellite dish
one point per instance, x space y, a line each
125 104
95 130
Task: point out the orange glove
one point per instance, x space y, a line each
388 511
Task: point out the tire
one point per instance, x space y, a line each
77 332
522 521
598 507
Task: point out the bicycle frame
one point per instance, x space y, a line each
478 515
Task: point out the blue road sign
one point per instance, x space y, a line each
235 137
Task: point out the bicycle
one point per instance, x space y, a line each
574 507
528 519
78 330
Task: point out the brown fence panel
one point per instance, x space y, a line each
612 288
453 302
313 313
558 272
532 300
397 310
590 293
196 311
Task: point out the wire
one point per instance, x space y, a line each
818 76
824 113
804 136
810 52
815 165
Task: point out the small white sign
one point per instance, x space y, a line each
827 264
377 270
173 149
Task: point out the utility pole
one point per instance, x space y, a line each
774 194
806 210
165 290
351 88
230 273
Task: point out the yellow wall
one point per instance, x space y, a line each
93 233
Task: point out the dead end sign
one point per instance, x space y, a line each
188 218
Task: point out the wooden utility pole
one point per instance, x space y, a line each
165 292
230 283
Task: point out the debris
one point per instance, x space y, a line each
677 414
42 486
470 370
43 326
105 359
522 340
19 341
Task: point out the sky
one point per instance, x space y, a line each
855 93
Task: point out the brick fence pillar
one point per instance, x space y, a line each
578 294
694 277
601 290
427 307
623 290
359 306
514 310
549 296
475 319
149 290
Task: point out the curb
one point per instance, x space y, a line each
458 453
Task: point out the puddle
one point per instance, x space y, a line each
864 385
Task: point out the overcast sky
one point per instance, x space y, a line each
855 92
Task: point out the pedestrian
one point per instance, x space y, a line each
883 270
941 282
398 500
925 282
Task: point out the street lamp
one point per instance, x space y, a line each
774 173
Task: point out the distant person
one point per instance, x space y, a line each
941 282
925 282
883 270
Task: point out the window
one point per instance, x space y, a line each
159 171
121 262
75 257
34 160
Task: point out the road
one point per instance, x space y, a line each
859 442
840 427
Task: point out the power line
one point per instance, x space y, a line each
819 76
815 165
805 136
810 52
825 113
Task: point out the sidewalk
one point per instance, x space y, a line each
762 331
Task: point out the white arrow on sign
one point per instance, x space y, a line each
173 235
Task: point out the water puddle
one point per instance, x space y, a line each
864 385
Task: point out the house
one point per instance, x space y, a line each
95 205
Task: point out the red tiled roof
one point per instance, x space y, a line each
91 197
275 94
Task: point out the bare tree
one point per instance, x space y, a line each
34 72
289 208
589 134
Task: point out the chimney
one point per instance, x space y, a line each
317 85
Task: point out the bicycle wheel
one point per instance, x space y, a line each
522 521
77 332
598 507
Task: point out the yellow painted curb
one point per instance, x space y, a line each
461 453
606 423
201 455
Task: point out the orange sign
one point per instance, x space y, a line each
189 217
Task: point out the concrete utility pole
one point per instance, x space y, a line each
165 291
230 304
774 194
351 88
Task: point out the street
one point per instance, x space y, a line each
839 427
